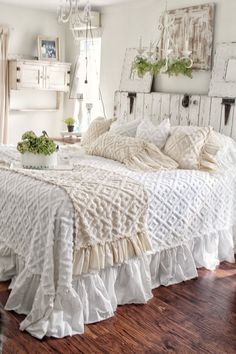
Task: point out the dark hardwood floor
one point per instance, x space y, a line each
198 316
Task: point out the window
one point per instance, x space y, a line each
90 90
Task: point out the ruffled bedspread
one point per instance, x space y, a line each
191 220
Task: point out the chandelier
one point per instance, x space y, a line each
163 56
72 12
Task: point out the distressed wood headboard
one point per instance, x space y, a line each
202 110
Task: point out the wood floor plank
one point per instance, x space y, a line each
195 317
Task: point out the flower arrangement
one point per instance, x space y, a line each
171 67
36 145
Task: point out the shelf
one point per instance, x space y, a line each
35 110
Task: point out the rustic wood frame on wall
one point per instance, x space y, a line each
223 81
130 81
192 28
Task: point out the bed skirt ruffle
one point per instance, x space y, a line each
95 297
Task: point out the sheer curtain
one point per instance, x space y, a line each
4 85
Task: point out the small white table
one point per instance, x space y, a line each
69 137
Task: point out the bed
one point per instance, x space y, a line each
191 220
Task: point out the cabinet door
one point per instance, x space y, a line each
57 77
30 76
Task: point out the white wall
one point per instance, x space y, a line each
25 25
124 24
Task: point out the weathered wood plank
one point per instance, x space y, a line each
156 107
117 103
139 106
165 106
174 109
204 111
124 106
215 114
147 111
234 124
195 103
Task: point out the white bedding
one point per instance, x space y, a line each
191 222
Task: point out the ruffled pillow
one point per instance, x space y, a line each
133 152
98 127
154 134
122 127
194 148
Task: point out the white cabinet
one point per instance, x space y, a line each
57 77
39 75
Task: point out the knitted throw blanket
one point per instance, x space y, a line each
110 215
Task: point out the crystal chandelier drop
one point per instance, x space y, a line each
163 56
72 12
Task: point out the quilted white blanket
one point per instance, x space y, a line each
191 217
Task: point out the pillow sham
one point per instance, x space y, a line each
98 127
154 134
133 152
226 156
193 147
122 127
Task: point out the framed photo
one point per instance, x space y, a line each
130 81
223 80
49 48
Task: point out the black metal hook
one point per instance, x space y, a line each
227 102
131 96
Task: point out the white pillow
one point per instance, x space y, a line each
122 127
226 156
154 134
186 146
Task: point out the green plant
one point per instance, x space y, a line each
175 67
36 145
69 121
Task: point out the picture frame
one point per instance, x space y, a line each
130 81
191 29
223 80
48 48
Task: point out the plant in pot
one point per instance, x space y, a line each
37 151
70 122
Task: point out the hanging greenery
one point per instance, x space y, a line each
176 67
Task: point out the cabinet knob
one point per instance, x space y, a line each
17 80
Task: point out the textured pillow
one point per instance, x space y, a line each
133 152
226 156
154 134
122 127
98 127
187 146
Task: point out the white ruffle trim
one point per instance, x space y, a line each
95 297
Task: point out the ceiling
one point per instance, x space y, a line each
51 5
